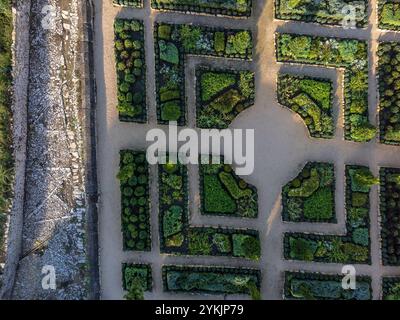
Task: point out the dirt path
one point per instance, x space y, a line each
282 148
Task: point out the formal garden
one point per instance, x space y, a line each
347 54
221 95
131 70
224 193
235 8
389 209
310 197
172 43
389 95
391 288
323 12
135 200
354 247
311 99
136 279
211 280
318 286
178 237
129 3
6 152
389 14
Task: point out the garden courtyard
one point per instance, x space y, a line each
326 185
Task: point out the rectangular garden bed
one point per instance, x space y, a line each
389 14
141 273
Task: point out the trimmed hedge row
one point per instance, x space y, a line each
172 43
318 286
352 55
178 237
221 95
236 8
354 247
311 98
390 209
137 272
322 12
389 15
391 288
224 193
129 3
210 280
6 151
310 197
131 70
135 200
389 95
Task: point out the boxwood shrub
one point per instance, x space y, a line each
224 193
137 272
318 286
310 197
311 99
348 54
322 12
389 209
135 200
221 95
237 8
389 14
131 70
172 43
210 280
354 246
129 3
389 96
178 237
391 288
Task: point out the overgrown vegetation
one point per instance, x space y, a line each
178 237
222 95
131 70
317 286
172 43
389 15
310 197
390 209
389 92
352 55
135 200
311 98
238 8
354 247
323 12
6 156
224 193
211 280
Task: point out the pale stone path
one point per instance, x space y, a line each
282 145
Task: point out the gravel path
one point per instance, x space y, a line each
282 147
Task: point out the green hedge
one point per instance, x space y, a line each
390 208
135 200
129 3
322 12
354 246
178 237
224 193
221 95
172 43
310 197
311 99
237 8
137 272
389 15
6 152
131 70
391 288
389 96
317 286
352 55
210 280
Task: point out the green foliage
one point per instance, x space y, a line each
219 42
362 179
216 199
136 280
199 242
168 52
246 246
319 206
240 42
173 221
222 242
308 187
230 183
189 37
171 111
214 82
361 236
389 15
301 249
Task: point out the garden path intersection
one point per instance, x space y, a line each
282 147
